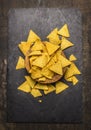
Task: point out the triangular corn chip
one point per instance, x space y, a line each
47 73
36 73
72 70
64 31
20 63
40 61
35 92
57 68
37 46
32 58
25 87
32 37
35 53
42 79
30 81
53 37
24 47
51 48
72 79
65 44
41 86
60 86
72 58
51 88
64 61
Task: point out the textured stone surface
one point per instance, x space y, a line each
22 107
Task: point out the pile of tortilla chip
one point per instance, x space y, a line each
45 61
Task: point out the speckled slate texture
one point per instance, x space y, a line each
65 107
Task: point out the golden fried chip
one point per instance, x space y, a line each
41 61
75 80
36 73
51 88
64 31
51 48
37 46
42 79
32 58
25 87
47 73
32 37
72 58
57 68
30 81
64 61
41 86
65 43
60 86
20 63
24 47
35 92
72 70
35 53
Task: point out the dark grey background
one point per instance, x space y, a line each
65 107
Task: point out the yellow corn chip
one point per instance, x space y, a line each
41 86
36 73
57 68
72 70
64 31
51 88
42 79
64 61
37 46
72 58
60 86
36 92
35 53
51 48
32 58
20 63
24 47
65 44
40 61
32 37
75 80
30 81
47 73
25 87
53 37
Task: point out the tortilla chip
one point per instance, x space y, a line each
24 47
40 61
25 87
64 61
72 58
30 81
41 86
32 37
35 92
64 31
37 46
20 63
57 68
60 86
72 70
42 79
36 73
53 37
65 44
51 88
51 48
47 73
35 53
32 58
75 80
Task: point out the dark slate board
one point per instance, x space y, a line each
65 107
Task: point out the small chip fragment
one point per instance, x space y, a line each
20 63
72 58
60 86
40 100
